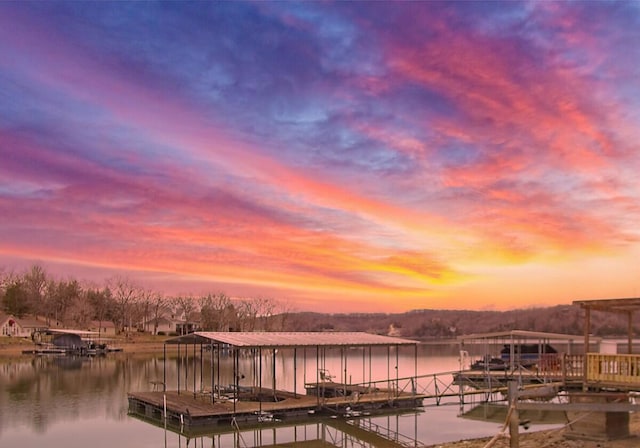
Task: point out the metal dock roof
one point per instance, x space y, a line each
520 334
289 339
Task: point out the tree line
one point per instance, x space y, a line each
130 307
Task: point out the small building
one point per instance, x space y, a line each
10 326
19 327
185 327
31 325
102 327
160 325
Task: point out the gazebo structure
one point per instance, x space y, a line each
612 371
601 410
219 397
625 307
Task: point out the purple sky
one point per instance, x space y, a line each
367 155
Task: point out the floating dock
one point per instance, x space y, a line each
220 403
187 410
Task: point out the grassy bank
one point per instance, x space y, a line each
140 343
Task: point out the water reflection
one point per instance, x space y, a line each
497 413
378 431
63 401
40 391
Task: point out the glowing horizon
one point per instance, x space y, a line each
350 156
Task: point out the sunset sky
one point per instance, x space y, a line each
346 156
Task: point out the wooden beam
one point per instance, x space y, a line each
580 407
587 330
630 331
611 305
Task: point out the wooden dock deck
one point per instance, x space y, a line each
190 410
478 379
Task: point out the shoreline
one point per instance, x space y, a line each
15 348
553 438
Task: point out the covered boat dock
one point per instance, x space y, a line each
205 393
531 357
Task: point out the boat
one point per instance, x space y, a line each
489 363
527 354
69 342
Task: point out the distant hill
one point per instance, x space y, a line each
437 324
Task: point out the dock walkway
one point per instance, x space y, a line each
187 409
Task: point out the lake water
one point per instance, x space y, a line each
82 401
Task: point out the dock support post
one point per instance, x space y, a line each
235 380
364 376
186 367
164 368
201 368
179 362
630 332
318 374
415 369
295 372
194 369
260 382
273 383
213 388
369 367
587 330
514 420
389 371
397 368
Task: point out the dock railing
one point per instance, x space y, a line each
437 386
557 367
621 370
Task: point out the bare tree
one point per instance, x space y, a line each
125 294
35 284
144 305
280 319
159 308
257 314
185 305
4 280
80 312
266 310
14 298
101 303
61 296
247 314
219 313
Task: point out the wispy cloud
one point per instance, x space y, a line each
395 155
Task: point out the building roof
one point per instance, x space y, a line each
102 323
289 339
32 323
23 322
520 334
72 332
159 320
625 305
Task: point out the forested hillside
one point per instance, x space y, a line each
434 324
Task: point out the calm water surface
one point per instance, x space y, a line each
69 402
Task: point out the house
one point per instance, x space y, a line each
104 327
9 326
189 325
30 325
160 325
185 327
20 328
